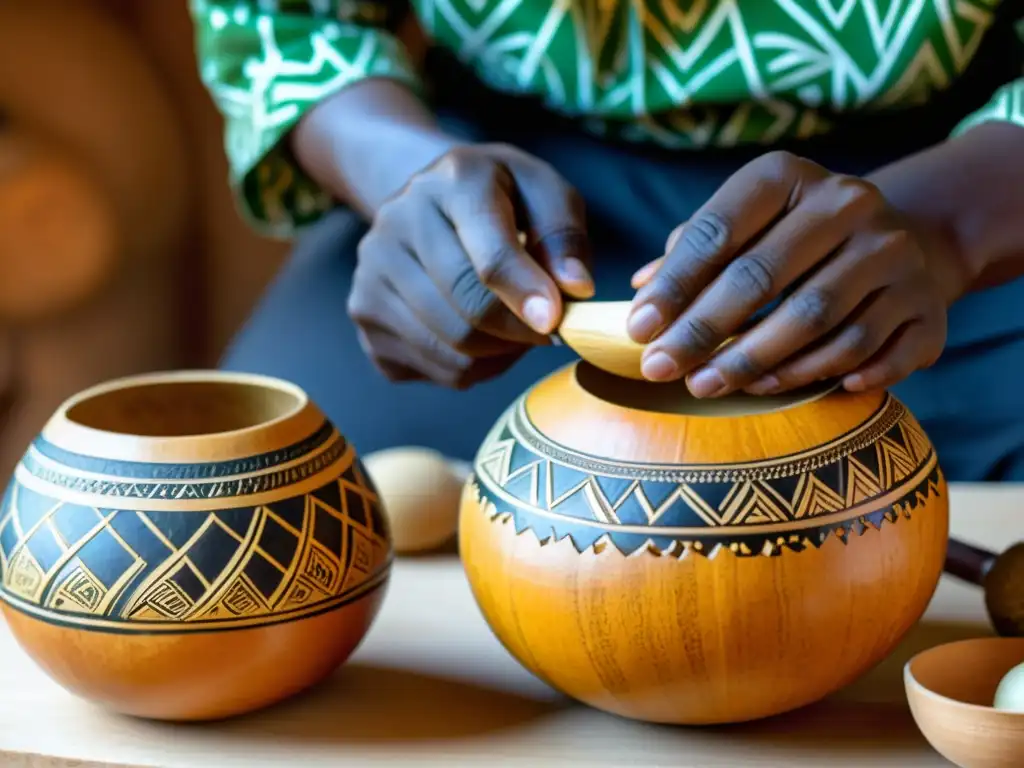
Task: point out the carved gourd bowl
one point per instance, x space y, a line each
697 562
191 546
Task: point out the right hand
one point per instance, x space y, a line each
444 288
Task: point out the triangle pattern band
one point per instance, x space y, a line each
151 571
885 466
749 542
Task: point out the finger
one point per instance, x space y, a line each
743 207
915 346
428 352
863 267
556 229
413 347
393 332
485 369
802 240
437 247
396 372
863 334
391 370
482 214
408 280
643 275
391 355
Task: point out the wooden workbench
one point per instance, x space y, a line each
432 686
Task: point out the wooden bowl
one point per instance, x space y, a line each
950 689
690 561
191 546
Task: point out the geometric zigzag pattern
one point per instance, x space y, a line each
146 570
756 509
689 74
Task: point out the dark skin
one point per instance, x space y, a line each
447 289
883 257
444 286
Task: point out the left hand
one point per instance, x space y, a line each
871 307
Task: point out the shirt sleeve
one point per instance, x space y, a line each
265 64
1006 105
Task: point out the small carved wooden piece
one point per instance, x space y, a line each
191 546
596 331
683 561
950 689
1002 578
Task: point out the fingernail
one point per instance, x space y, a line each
539 313
658 367
854 383
763 386
645 322
642 274
706 383
575 272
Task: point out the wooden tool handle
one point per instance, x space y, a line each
968 562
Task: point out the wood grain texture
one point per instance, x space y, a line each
695 568
203 676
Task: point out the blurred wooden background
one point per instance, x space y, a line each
120 247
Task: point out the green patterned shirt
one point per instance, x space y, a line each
681 73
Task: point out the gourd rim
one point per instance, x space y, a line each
675 399
295 422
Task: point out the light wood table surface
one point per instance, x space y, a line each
432 686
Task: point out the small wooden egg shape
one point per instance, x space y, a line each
420 492
697 562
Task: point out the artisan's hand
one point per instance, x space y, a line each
445 290
869 295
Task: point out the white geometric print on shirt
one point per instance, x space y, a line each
682 73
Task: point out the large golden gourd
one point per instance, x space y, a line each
697 562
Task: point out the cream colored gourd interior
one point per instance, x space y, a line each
184 408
